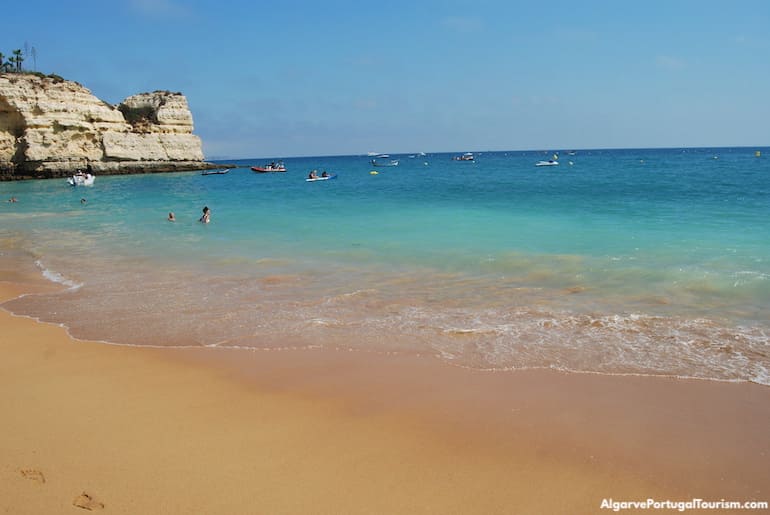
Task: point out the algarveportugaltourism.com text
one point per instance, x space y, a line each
694 504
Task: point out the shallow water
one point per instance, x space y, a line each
627 261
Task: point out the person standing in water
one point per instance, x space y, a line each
206 217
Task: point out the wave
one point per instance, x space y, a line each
56 277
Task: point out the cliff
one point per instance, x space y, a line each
51 127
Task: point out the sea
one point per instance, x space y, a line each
621 261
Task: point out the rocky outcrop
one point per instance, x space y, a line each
51 127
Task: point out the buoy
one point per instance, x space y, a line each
373 172
757 153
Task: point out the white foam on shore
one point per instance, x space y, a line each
56 277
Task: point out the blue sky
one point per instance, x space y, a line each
293 78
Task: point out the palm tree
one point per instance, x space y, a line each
18 59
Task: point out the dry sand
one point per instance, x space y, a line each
89 426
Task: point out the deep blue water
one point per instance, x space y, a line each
648 261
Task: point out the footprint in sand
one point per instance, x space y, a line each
33 475
87 502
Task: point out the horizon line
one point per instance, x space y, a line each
565 149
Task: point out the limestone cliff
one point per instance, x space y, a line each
50 127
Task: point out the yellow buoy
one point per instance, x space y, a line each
757 153
373 172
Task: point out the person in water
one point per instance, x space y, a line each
206 217
313 175
324 174
171 217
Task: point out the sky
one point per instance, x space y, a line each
302 78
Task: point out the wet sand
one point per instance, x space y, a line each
138 430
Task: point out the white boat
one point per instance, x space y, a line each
321 178
82 179
389 162
554 161
468 156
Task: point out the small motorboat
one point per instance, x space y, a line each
323 177
468 156
270 167
215 172
554 161
81 179
390 162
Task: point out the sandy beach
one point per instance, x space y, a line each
138 430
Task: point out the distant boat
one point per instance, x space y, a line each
550 162
381 162
81 179
468 156
215 172
270 167
321 177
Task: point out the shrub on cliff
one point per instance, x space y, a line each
141 118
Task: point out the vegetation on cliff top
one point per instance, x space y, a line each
14 63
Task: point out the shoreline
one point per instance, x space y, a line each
9 174
144 430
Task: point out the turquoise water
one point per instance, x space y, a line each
643 261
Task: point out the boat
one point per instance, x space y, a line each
81 179
321 178
215 172
468 156
554 161
270 167
389 162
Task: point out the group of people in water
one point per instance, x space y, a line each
314 174
205 217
